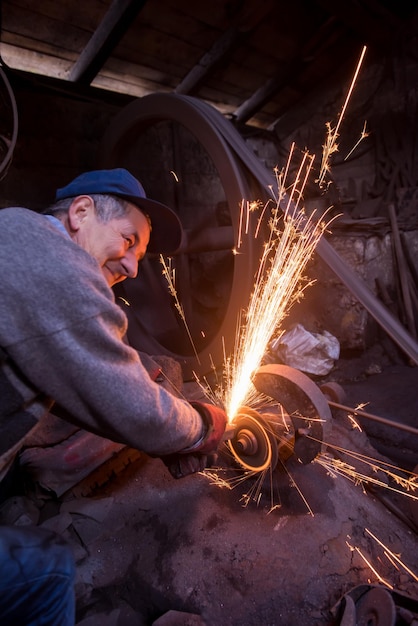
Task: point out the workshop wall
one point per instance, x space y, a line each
59 132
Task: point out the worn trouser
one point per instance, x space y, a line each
36 578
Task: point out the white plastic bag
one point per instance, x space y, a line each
313 353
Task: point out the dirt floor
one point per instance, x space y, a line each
153 550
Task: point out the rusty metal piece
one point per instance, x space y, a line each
286 439
253 445
303 401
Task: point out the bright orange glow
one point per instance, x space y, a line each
279 282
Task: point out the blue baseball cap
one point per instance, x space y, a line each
166 229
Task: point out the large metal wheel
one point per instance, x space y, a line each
303 401
213 284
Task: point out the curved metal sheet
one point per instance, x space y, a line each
304 402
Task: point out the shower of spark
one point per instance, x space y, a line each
363 135
331 145
253 483
279 282
394 560
405 485
170 276
391 556
354 423
368 563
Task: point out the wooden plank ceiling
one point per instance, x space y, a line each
251 59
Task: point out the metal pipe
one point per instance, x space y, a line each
376 418
207 240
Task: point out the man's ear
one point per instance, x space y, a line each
81 208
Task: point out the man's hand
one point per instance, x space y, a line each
203 453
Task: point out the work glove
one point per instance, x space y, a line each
203 453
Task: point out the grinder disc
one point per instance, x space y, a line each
253 445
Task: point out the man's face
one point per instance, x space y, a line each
118 245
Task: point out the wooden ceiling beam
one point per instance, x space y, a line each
288 74
209 61
267 91
245 23
105 38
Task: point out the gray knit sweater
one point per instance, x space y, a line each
61 339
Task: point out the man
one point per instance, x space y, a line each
61 333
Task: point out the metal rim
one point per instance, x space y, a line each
303 401
123 132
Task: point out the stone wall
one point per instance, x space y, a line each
329 305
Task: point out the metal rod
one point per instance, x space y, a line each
376 418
